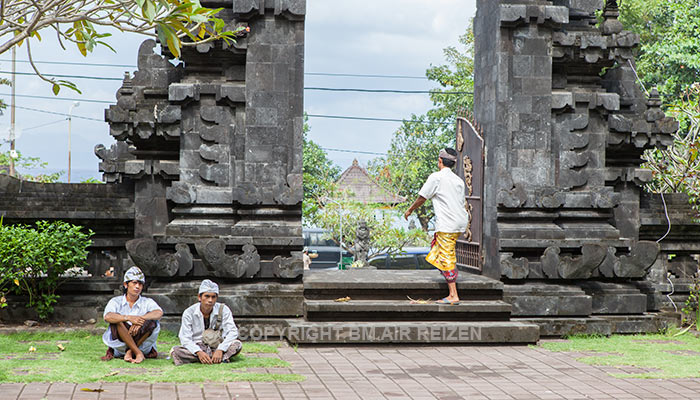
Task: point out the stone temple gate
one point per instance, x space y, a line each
204 180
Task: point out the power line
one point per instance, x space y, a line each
61 98
101 78
73 63
364 75
376 119
57 113
353 151
324 89
95 119
305 73
380 90
310 115
46 124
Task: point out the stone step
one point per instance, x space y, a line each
395 285
474 332
390 310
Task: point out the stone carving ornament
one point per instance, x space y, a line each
362 243
144 254
468 167
460 136
214 257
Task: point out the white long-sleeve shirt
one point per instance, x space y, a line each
192 327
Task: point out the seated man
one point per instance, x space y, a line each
133 322
207 333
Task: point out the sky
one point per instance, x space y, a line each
363 37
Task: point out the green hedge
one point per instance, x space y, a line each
35 260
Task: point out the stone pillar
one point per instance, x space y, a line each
562 177
214 147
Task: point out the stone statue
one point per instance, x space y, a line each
361 244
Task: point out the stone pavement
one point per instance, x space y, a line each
398 372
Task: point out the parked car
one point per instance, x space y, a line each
409 258
328 251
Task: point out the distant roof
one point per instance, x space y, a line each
366 190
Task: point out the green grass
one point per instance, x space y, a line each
664 355
80 362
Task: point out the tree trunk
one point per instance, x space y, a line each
424 217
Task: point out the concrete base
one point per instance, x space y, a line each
603 324
540 299
477 332
394 310
615 298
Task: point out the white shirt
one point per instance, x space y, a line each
192 327
120 305
446 190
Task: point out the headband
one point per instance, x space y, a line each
208 286
134 274
447 156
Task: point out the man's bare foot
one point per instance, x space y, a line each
128 357
139 358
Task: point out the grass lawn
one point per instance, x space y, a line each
637 356
80 362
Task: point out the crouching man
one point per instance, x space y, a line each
133 322
207 332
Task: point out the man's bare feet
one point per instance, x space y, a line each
128 357
139 358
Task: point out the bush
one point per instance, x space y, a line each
36 260
692 303
677 168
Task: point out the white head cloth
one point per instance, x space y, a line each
208 286
134 274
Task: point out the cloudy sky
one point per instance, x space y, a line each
362 37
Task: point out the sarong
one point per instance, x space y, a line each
451 275
181 355
442 253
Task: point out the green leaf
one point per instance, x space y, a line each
56 88
106 45
198 19
149 10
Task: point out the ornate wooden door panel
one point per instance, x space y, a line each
470 167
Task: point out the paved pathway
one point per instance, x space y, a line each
399 372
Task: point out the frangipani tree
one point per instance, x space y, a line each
340 214
82 23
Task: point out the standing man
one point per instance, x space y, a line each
133 322
447 192
307 258
207 332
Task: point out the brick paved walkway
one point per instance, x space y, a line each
408 372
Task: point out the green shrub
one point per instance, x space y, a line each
36 260
692 303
